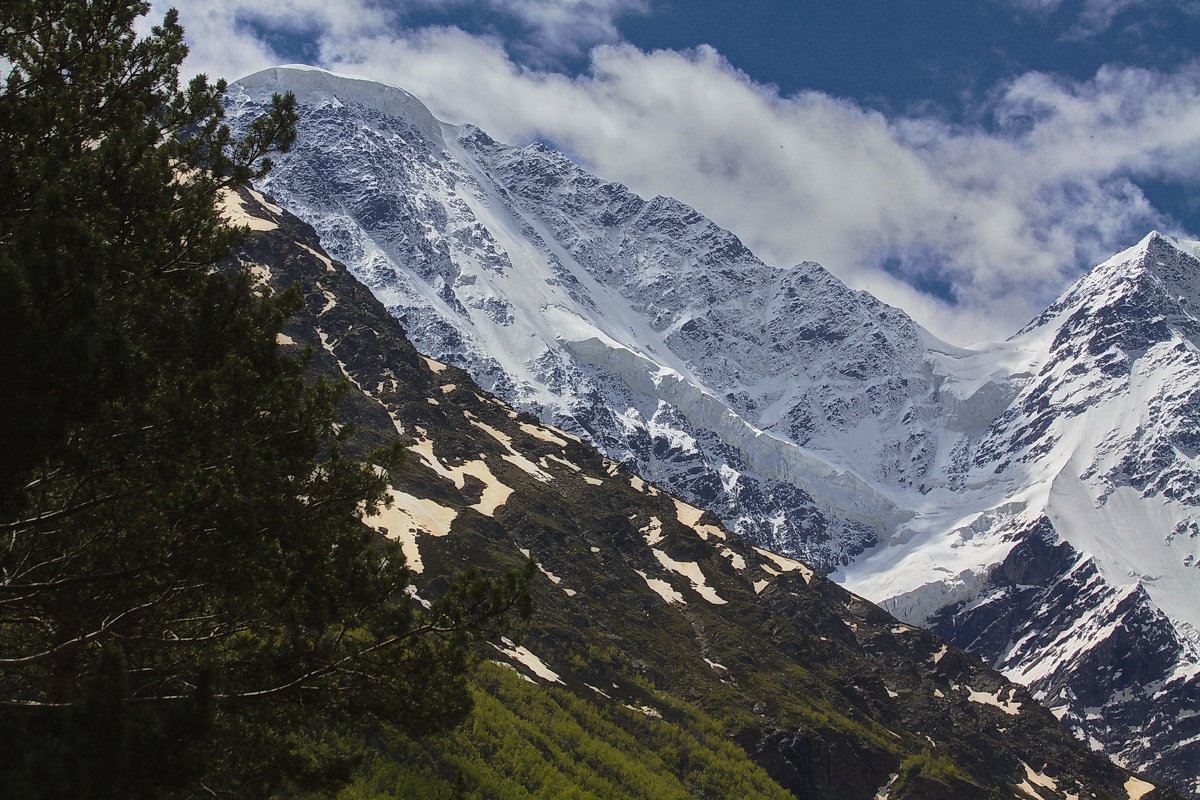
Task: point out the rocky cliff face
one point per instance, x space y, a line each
812 419
1118 673
645 604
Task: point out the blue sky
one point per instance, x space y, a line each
963 160
908 55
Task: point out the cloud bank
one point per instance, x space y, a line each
990 221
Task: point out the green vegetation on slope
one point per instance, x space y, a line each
527 742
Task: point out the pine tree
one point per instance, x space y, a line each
184 572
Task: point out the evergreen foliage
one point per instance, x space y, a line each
184 572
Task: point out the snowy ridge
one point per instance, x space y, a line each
836 492
812 419
315 83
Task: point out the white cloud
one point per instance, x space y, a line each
569 27
229 32
1097 15
1094 17
225 36
1003 215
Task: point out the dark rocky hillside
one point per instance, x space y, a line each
645 603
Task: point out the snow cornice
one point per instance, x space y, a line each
311 84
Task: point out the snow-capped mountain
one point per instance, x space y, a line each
1030 500
1067 552
687 661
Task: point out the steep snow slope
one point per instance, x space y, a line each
1030 500
637 323
1097 429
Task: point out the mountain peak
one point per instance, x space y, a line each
313 82
1158 269
1173 260
1151 252
1161 269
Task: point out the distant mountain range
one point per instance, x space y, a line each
1033 501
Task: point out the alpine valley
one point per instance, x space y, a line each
1033 502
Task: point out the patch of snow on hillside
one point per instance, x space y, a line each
513 456
1136 788
571 465
652 531
662 589
495 493
1008 706
557 581
531 662
786 564
235 213
735 559
543 433
434 366
691 571
690 516
408 516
